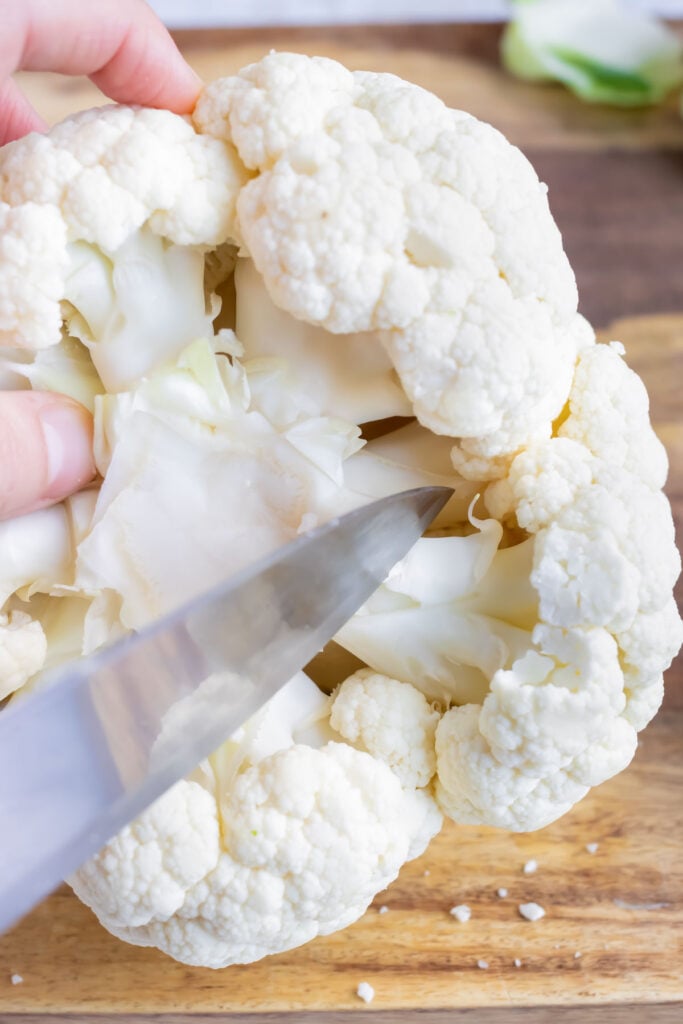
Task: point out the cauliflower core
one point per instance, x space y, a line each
247 300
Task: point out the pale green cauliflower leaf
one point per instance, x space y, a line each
603 50
323 374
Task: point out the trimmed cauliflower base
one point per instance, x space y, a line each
242 299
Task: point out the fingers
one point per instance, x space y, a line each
120 44
45 450
46 440
18 116
149 69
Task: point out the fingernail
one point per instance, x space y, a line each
67 429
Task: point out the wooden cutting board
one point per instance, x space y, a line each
611 944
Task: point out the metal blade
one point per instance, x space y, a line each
112 732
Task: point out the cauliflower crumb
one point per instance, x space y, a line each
592 847
383 909
517 962
483 965
531 911
577 955
426 873
501 893
365 992
461 913
17 979
618 347
530 867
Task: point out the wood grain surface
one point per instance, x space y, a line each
606 1013
621 908
615 188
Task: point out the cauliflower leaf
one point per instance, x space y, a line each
602 50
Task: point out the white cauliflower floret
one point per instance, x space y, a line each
608 555
608 412
33 261
272 103
606 417
604 540
111 169
607 756
391 720
554 702
474 787
308 837
282 835
377 208
647 648
98 178
540 482
23 648
144 873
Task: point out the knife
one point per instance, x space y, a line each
112 732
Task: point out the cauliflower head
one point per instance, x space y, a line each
322 288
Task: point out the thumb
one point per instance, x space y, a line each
45 450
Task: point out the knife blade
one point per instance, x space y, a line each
110 733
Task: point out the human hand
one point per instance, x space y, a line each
46 439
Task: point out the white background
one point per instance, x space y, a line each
198 13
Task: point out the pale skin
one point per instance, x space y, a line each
46 439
